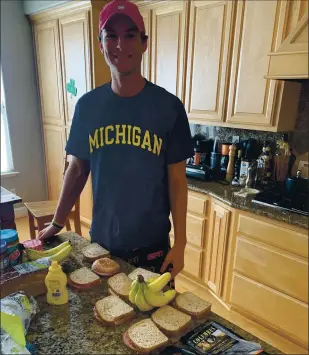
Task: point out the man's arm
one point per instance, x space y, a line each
178 196
74 181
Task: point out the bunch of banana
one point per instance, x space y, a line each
147 295
58 253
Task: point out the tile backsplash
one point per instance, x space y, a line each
298 138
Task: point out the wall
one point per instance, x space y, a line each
19 79
32 6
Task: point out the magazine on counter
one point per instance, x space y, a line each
212 338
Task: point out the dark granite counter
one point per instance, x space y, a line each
71 328
225 194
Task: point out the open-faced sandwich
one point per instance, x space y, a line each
119 285
171 322
83 279
192 305
105 267
112 311
94 251
144 337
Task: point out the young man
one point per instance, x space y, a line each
134 136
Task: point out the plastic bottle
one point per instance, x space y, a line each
55 281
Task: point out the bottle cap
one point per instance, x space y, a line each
54 266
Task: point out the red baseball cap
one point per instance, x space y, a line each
123 7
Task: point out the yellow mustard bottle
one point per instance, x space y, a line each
56 281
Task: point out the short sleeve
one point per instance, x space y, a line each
78 142
180 143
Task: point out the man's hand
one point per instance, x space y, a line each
176 257
48 232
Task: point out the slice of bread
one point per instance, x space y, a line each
120 285
193 305
172 322
94 251
83 278
145 273
105 267
112 310
144 337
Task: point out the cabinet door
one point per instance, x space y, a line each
167 50
54 138
251 96
209 38
216 248
146 65
49 72
192 259
74 42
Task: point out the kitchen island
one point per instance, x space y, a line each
71 328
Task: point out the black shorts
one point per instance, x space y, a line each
150 258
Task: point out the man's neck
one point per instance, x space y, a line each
127 85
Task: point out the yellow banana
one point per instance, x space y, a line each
158 284
151 279
158 299
62 254
140 301
133 291
38 254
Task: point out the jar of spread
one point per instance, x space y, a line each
10 236
4 260
35 244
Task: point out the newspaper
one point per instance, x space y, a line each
212 338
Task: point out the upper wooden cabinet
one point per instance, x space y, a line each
49 72
169 21
209 39
253 101
75 43
290 60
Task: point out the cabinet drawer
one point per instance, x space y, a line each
272 268
272 234
274 309
197 203
193 258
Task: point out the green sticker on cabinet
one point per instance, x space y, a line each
71 88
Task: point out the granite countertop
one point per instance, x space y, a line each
225 193
71 328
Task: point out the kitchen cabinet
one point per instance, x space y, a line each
74 43
270 275
253 101
216 247
69 64
54 142
169 23
49 72
210 29
256 267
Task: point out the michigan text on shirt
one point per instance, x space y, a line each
125 134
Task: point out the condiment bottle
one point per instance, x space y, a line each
197 155
230 167
56 281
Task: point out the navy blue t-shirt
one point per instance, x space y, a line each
129 142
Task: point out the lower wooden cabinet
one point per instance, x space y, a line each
54 141
193 260
216 247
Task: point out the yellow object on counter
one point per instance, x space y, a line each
56 281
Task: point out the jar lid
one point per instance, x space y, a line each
3 247
9 235
32 244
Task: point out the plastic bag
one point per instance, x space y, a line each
17 311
